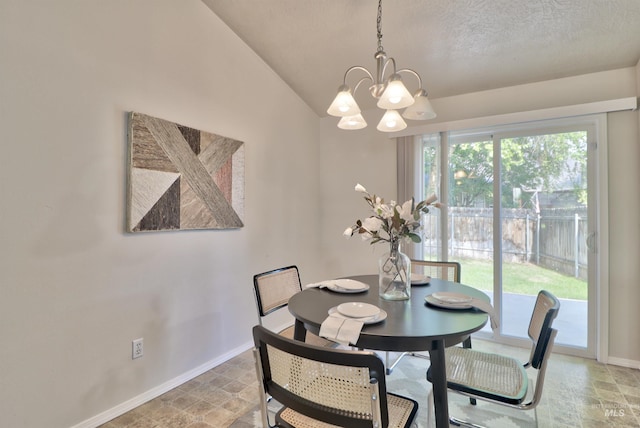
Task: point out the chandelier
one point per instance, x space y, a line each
390 92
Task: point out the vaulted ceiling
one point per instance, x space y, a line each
457 46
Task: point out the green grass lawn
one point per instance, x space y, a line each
523 278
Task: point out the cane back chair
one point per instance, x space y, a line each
325 387
273 289
501 379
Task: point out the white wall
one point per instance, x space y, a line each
365 157
624 206
74 288
624 237
581 89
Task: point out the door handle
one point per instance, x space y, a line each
591 242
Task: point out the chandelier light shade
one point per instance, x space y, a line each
390 91
395 95
391 121
352 122
421 108
344 104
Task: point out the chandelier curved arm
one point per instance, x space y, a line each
368 76
383 69
410 71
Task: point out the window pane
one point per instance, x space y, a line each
470 211
544 220
431 173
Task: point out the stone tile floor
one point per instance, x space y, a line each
578 393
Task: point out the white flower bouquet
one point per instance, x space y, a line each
391 222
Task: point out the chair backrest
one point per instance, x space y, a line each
274 288
544 312
341 387
449 271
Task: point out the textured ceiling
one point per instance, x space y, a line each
457 46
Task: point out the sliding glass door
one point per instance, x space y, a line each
518 219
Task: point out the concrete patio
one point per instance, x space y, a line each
571 322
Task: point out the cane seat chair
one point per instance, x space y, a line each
325 387
273 289
449 271
501 379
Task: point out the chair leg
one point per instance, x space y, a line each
264 397
460 423
430 409
413 354
390 367
452 421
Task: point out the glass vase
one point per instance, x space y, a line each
394 274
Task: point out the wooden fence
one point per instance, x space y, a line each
555 239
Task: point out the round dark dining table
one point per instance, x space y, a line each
411 325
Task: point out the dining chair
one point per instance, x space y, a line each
501 379
273 289
323 387
449 271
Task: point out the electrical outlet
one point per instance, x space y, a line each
138 348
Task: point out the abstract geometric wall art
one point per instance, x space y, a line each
182 178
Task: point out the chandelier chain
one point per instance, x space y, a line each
379 26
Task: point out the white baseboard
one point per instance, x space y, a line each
623 362
131 404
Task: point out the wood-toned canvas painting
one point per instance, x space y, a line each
182 178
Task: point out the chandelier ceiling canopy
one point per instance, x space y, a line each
389 90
